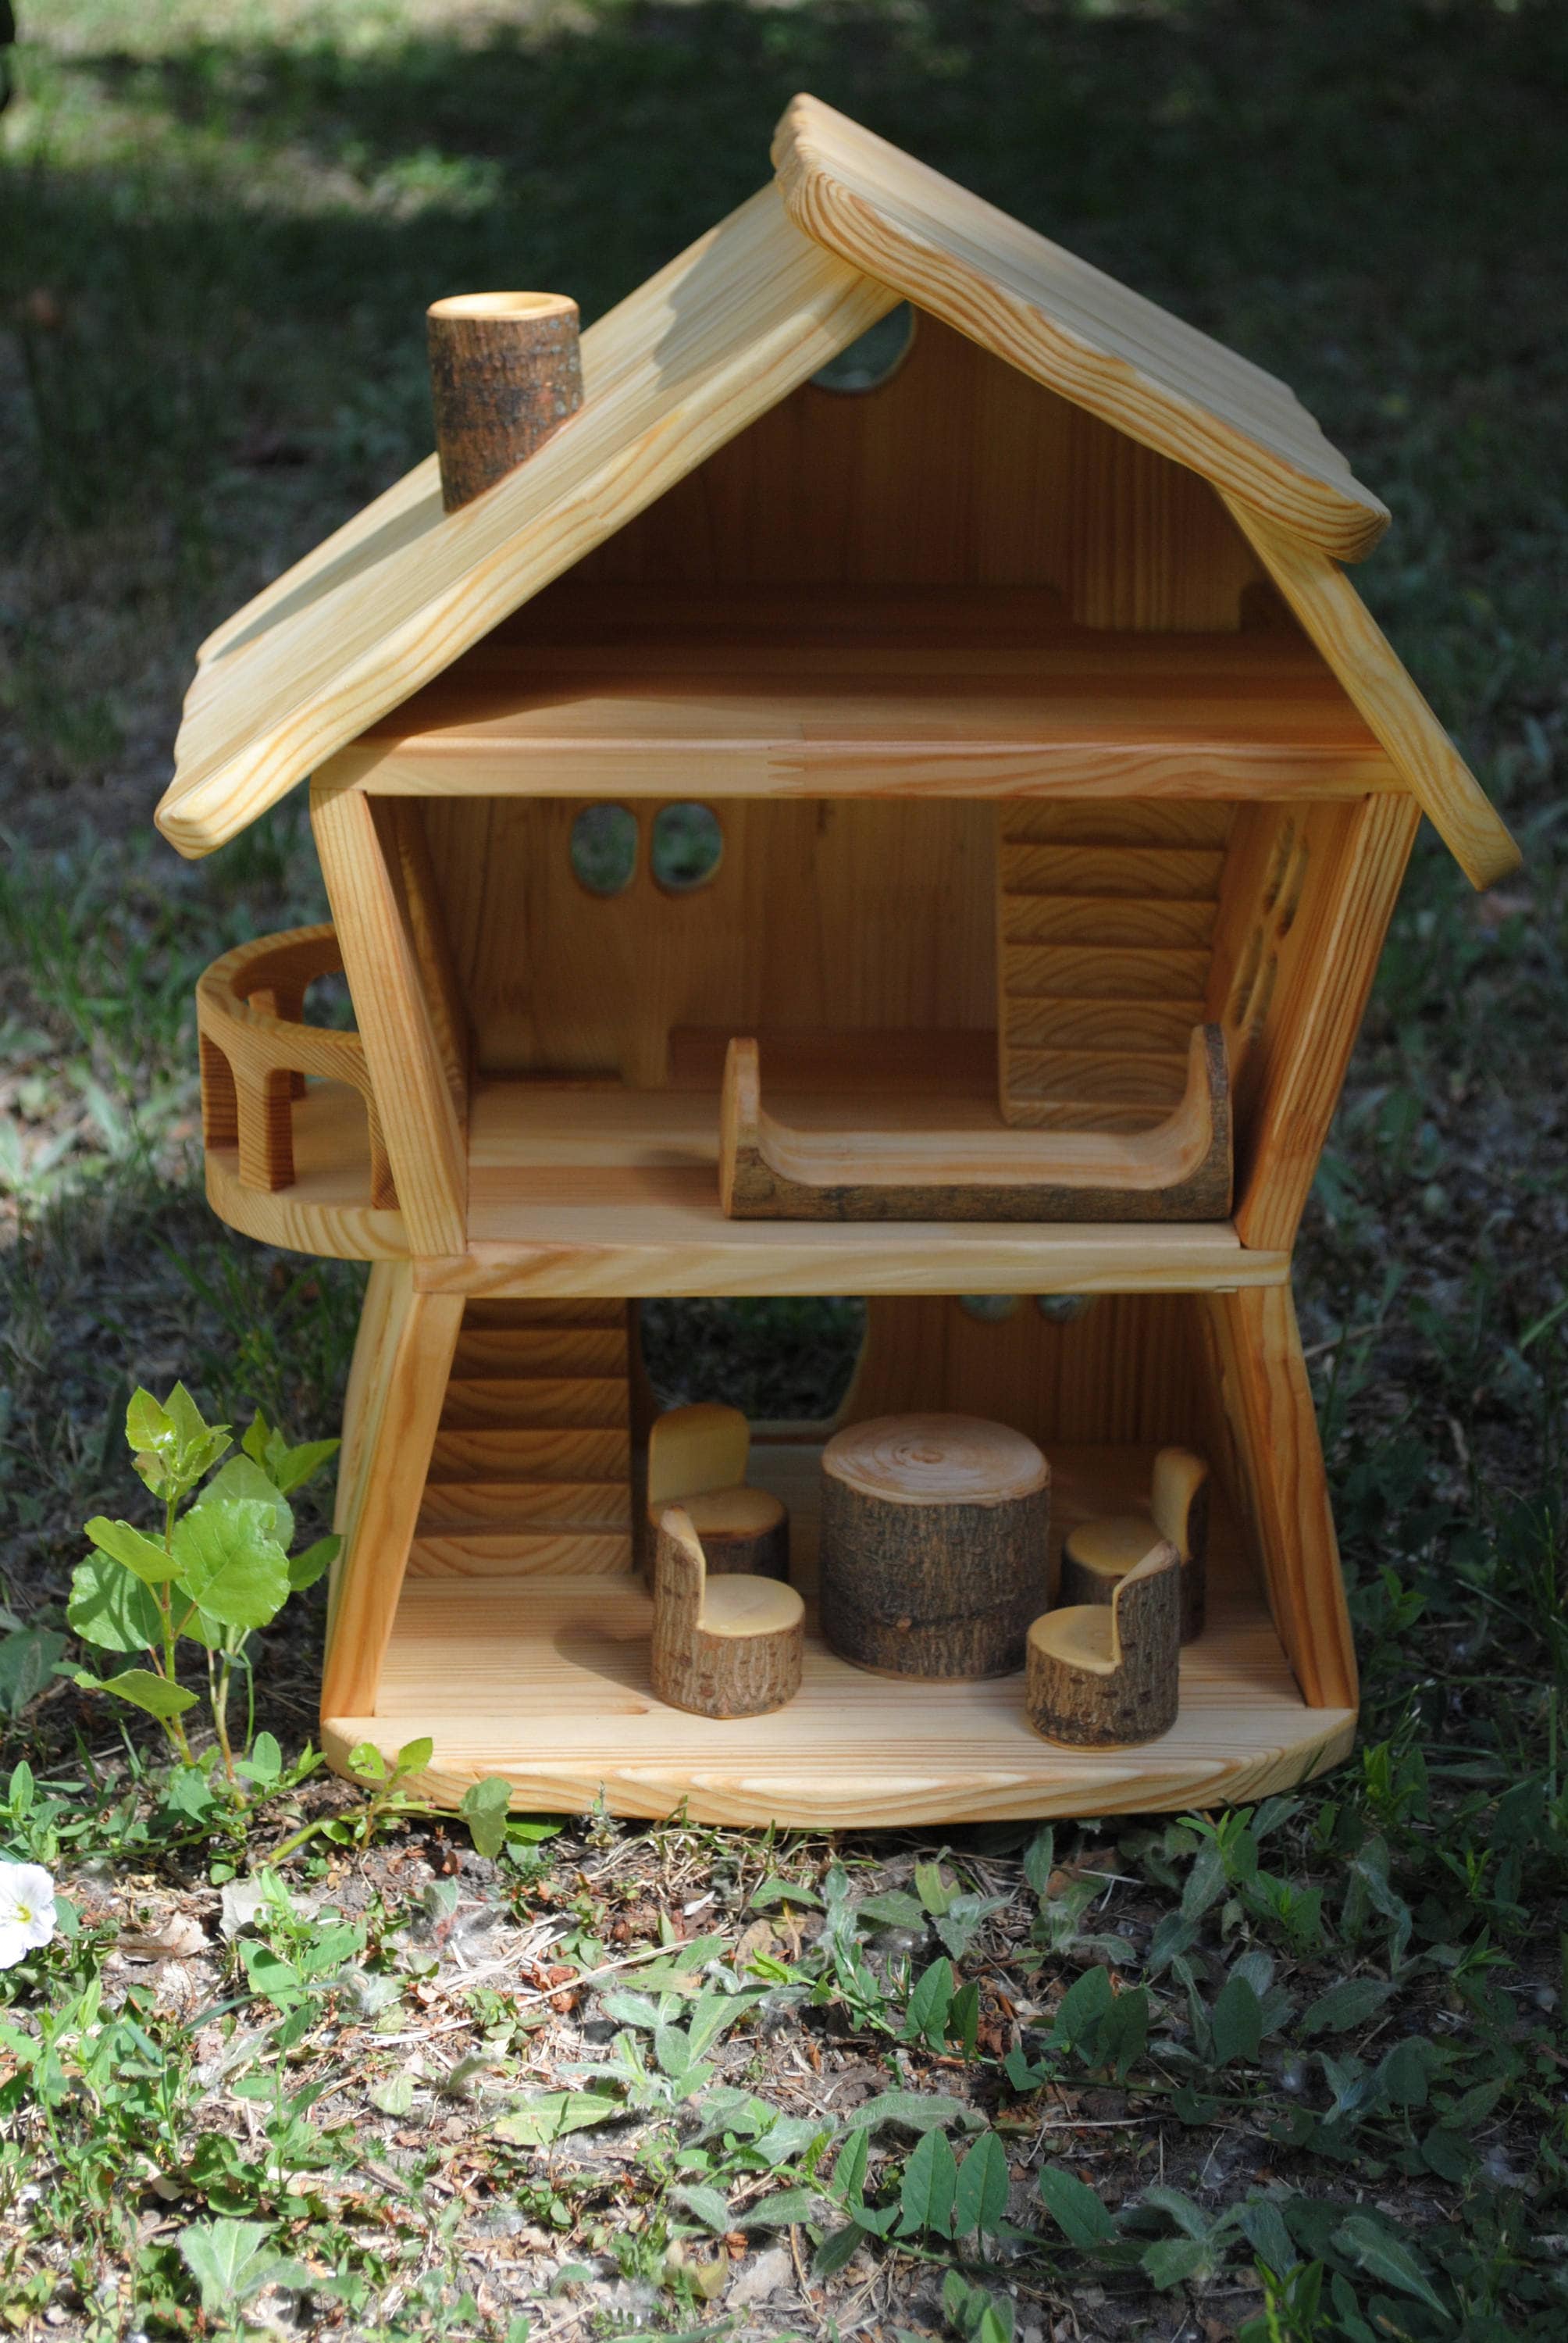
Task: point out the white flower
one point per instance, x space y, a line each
26 1911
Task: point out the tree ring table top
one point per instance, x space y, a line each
935 1460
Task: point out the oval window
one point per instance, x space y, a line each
604 849
990 1309
874 358
687 847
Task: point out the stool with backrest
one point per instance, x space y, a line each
727 1646
1097 1555
697 1458
1105 1675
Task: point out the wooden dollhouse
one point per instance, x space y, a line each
1063 787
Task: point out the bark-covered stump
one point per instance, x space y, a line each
933 1551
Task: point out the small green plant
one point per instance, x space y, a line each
483 1807
221 1568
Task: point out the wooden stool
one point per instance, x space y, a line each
697 1457
932 1558
1097 1555
1102 1675
729 1647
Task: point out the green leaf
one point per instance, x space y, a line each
1402 2075
1383 2256
1238 2022
894 1910
300 1464
230 2261
1075 2209
709 2206
243 1481
980 2203
932 1889
367 1760
1262 2225
26 1665
305 1567
1040 1861
930 2002
849 2167
256 1441
231 1566
778 2212
1174 2260
190 1425
149 1427
1081 2010
144 1557
838 2250
768 1892
155 1694
112 1609
485 1807
395 2096
414 1756
1344 2006
928 2189
553 2113
918 2111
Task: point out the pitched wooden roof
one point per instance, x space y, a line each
723 333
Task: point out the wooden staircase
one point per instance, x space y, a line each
531 1468
1107 916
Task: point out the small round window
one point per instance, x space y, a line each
990 1309
687 847
874 358
604 849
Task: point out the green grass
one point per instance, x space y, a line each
1336 2024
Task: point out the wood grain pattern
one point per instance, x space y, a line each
1070 327
746 312
1265 1417
546 1681
1178 1170
411 1072
889 690
1333 617
1107 1676
409 1340
506 372
724 1646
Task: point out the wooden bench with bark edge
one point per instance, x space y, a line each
1180 1170
697 1458
1097 1555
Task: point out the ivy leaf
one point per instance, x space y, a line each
112 1609
981 2202
155 1694
929 2189
1075 2209
231 1567
485 1807
145 1557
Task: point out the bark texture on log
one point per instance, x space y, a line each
504 373
732 1646
1107 1676
933 1558
1097 1555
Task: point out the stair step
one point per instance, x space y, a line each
1142 872
529 1455
1081 972
541 1351
510 1551
1132 821
573 1404
1141 1026
1120 1077
566 1507
1106 920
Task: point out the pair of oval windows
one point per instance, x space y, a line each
685 848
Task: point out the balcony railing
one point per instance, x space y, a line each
257 1050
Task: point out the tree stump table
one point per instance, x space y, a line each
933 1547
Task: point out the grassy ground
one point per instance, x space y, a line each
1324 2040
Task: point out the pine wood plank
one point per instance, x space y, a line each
1070 325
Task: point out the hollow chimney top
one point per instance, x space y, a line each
506 372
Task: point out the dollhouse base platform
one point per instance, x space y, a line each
545 1679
